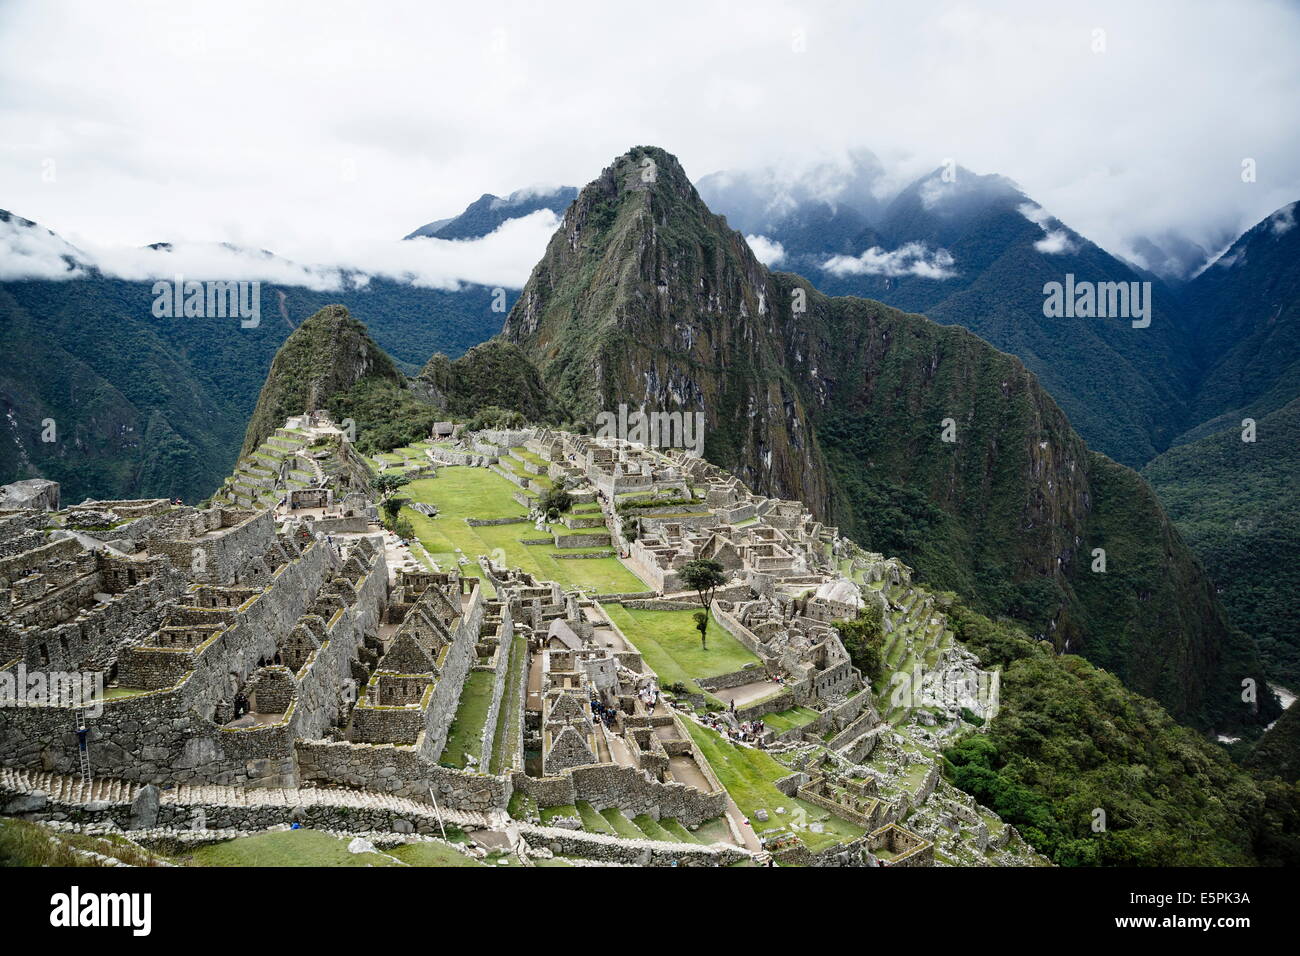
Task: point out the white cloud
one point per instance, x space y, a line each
767 251
503 258
29 251
1283 220
913 258
1055 241
248 122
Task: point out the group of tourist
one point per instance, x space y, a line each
742 732
604 713
649 695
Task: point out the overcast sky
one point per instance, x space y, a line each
328 130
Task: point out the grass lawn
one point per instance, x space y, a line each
432 854
784 720
651 828
749 776
285 848
466 733
24 843
592 821
621 824
550 813
461 492
670 645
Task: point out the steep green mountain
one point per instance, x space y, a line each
1278 752
149 406
330 362
495 373
1238 502
1223 347
963 249
1069 740
1238 505
325 356
1245 310
644 296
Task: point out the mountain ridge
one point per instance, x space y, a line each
646 297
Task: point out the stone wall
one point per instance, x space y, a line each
169 736
400 771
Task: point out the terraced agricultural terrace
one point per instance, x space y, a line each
326 668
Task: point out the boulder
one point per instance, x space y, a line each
144 808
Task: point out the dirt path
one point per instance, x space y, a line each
747 693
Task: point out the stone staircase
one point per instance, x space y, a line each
71 791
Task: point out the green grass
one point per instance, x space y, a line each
783 720
670 645
677 831
749 776
622 825
651 828
592 821
23 843
550 813
432 854
461 492
285 848
466 733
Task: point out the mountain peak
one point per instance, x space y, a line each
325 356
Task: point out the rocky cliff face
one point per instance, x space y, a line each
644 297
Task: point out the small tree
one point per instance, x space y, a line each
391 507
863 638
388 482
703 576
555 501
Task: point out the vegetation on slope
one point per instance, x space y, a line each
1238 505
1278 752
1070 740
148 406
495 374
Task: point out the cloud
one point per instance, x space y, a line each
1056 241
504 258
913 258
767 251
30 251
1283 220
341 124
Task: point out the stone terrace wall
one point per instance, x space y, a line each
446 693
400 771
630 790
167 736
